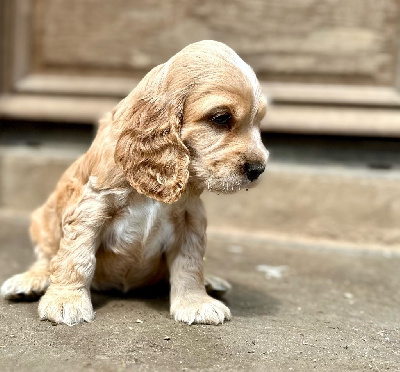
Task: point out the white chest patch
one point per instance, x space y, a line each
142 226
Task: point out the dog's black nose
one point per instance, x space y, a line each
253 170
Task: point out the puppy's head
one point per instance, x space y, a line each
197 115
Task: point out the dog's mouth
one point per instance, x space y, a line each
230 184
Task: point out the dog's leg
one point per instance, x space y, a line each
189 301
67 300
34 282
28 285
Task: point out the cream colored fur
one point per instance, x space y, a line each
128 213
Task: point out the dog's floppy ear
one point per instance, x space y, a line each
149 149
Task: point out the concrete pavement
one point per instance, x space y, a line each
294 309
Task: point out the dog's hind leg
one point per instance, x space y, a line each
28 285
216 286
34 282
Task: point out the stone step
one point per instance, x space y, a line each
324 203
316 202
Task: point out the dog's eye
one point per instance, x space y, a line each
221 119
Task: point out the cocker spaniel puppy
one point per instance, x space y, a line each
128 212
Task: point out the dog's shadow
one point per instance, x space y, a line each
241 299
155 296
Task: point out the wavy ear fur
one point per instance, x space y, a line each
149 149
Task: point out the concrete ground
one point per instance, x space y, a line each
330 310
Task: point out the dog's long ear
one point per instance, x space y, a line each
149 149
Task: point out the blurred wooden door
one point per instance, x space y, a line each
330 66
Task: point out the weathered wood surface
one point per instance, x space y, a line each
329 66
327 41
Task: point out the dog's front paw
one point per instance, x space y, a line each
67 306
200 309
